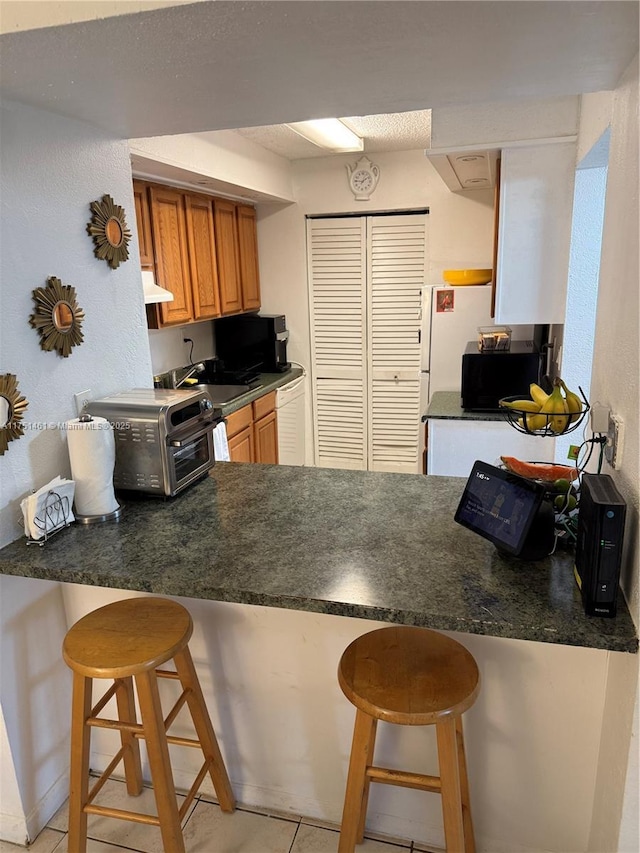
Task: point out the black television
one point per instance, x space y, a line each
508 510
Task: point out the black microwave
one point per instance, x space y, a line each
489 376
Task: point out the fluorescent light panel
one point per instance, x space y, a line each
328 133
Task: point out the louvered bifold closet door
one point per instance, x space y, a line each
396 255
337 270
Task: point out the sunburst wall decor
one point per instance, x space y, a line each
109 230
13 406
58 317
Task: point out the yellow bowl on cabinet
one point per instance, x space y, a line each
458 277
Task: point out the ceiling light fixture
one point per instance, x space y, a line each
328 133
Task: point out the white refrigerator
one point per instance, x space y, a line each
450 319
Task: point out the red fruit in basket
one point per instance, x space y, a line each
545 471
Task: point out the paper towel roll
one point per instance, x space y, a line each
92 451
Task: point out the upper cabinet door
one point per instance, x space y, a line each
202 257
534 232
172 261
143 221
248 246
224 214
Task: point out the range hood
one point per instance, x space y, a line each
465 170
152 291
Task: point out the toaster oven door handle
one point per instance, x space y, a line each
183 442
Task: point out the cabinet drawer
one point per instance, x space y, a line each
239 420
263 405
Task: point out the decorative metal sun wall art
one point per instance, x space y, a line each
109 230
12 406
58 317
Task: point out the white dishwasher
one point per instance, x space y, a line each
291 422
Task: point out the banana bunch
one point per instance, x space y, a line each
555 410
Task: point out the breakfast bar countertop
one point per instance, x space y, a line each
350 543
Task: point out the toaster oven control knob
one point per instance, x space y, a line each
205 405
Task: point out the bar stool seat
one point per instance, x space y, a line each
410 677
127 641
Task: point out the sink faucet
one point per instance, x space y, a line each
176 383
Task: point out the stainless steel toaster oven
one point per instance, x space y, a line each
163 437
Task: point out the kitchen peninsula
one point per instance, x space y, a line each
348 543
269 559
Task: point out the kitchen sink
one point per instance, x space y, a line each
221 393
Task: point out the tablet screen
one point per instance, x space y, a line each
499 506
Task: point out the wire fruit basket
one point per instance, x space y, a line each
541 423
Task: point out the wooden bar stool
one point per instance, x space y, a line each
412 677
124 641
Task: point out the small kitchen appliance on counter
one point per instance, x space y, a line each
489 376
163 437
255 342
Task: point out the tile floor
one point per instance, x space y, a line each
206 830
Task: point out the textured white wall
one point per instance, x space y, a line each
582 290
168 349
52 168
615 383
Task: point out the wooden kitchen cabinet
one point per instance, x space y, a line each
248 254
169 230
237 253
265 429
534 232
241 446
143 219
202 249
252 432
202 256
228 255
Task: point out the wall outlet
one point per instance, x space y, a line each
599 418
613 447
81 398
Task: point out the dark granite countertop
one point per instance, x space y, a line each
350 543
268 382
445 405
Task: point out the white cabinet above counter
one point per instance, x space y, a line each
534 232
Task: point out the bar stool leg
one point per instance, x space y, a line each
127 713
469 840
159 762
79 765
371 742
450 781
356 794
204 729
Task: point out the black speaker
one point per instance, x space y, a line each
599 544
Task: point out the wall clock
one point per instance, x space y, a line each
363 178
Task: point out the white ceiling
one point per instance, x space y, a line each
390 132
214 65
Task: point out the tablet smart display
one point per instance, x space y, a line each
499 506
